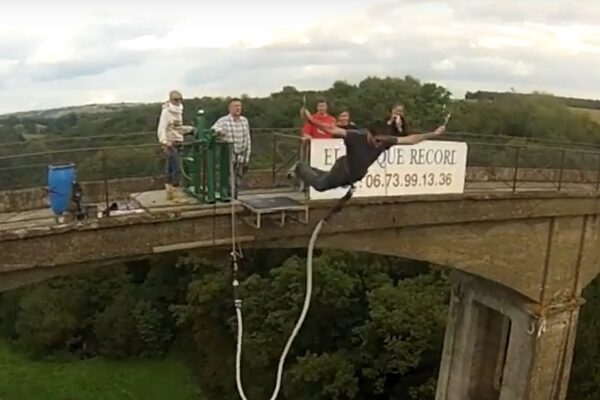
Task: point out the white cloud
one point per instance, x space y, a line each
102 98
8 66
444 65
53 50
499 42
71 53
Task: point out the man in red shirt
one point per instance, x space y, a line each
311 131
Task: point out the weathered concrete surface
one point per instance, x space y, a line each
542 258
155 201
517 240
539 345
119 189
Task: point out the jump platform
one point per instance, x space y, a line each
275 208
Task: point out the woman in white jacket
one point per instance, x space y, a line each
170 135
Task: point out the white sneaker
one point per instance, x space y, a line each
291 174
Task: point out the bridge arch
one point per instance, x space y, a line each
543 259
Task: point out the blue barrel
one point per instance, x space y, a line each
60 185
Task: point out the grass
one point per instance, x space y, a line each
94 379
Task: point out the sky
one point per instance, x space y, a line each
67 52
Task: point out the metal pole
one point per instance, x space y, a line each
516 168
103 156
562 166
208 160
202 163
197 159
598 175
225 159
273 160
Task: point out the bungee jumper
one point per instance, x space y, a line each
363 147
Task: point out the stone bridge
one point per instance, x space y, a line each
521 259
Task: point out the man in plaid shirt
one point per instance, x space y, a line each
234 128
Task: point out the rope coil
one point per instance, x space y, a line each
542 313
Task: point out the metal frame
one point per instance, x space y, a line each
201 162
283 212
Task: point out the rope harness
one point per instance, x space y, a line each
235 254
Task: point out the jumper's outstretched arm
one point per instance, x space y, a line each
410 139
331 129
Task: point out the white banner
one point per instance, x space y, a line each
430 167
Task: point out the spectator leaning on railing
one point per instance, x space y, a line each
170 133
234 128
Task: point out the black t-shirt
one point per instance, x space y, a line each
360 154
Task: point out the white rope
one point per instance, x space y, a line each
307 297
288 345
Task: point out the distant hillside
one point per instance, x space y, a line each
594 114
572 102
55 113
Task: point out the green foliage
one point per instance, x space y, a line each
374 330
534 116
47 318
130 328
585 375
396 340
9 313
368 326
152 332
119 317
326 376
137 322
569 101
115 328
205 312
24 379
426 391
525 117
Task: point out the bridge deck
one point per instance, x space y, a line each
145 202
156 202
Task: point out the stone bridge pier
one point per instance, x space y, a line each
501 346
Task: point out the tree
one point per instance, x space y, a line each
115 328
47 318
354 343
585 375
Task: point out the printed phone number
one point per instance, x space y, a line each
406 180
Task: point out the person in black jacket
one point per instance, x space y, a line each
344 120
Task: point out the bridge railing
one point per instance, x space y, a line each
514 162
516 165
86 139
521 166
